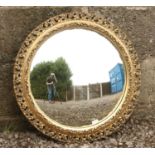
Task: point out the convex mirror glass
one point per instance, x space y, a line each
77 77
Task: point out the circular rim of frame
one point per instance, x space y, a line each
36 116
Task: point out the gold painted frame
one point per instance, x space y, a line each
25 99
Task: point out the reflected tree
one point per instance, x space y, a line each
40 73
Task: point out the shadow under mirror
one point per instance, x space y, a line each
77 77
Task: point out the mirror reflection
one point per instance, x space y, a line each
77 77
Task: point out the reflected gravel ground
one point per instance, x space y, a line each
80 113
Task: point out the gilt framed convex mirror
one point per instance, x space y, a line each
76 77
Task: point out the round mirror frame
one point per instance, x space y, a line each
21 80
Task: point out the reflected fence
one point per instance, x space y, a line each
87 92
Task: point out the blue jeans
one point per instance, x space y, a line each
50 92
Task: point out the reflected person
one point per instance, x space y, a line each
50 82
